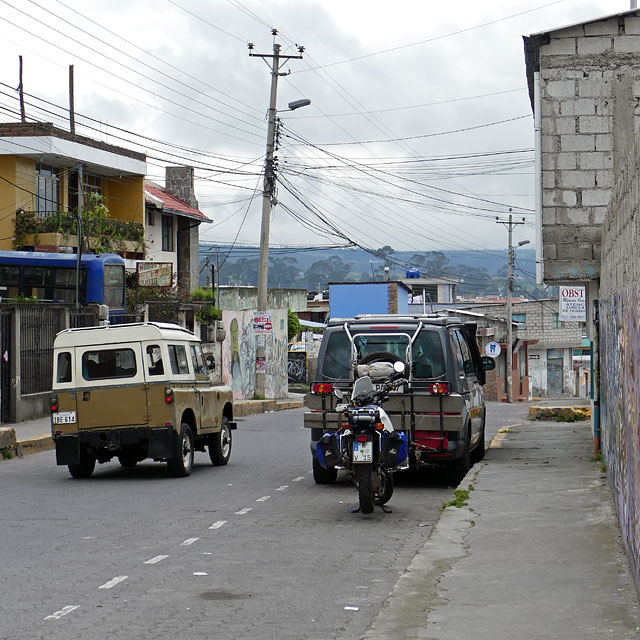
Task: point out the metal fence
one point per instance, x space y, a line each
38 328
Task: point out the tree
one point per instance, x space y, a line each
293 325
241 272
321 272
284 272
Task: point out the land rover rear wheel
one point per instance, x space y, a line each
181 464
220 444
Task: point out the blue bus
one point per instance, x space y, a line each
52 277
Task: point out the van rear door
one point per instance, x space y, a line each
111 389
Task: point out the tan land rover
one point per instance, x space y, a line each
136 391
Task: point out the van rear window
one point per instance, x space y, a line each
106 364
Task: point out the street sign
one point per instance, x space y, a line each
154 274
573 304
492 349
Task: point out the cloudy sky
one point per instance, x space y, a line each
419 133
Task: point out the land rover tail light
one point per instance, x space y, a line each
323 388
168 396
439 388
54 404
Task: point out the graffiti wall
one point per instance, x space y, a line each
620 410
239 354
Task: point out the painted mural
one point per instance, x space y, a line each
239 355
620 410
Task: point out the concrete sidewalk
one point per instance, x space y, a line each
535 554
35 435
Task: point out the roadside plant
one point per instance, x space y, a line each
203 294
208 314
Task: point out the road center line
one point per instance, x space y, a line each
155 560
63 612
188 541
113 583
298 479
244 511
263 499
217 525
284 487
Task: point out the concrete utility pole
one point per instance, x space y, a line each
509 372
267 202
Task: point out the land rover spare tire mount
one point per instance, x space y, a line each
366 444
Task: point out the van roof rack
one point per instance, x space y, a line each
371 318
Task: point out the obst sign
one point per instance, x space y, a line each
573 304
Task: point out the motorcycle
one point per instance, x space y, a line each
367 445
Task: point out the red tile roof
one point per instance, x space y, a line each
171 204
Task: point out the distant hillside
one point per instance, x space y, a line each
482 272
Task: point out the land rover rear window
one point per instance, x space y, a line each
337 356
106 364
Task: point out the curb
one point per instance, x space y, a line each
44 442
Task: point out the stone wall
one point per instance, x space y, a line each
619 346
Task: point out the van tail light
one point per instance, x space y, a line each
54 404
439 388
322 388
168 396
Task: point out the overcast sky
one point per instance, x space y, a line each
401 92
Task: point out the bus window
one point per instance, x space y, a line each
9 281
114 286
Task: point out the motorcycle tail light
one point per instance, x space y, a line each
322 387
439 388
362 438
379 426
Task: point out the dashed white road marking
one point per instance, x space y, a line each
352 608
298 479
155 560
200 573
188 541
218 524
284 487
263 499
244 511
63 612
113 583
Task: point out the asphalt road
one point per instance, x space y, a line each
253 550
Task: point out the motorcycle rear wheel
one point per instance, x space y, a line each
365 487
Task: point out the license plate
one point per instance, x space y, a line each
363 451
64 417
378 387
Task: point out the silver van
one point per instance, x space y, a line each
442 408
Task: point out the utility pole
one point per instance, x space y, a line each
267 203
509 373
79 236
23 116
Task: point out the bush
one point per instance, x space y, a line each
208 314
200 293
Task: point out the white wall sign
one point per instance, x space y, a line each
573 304
492 349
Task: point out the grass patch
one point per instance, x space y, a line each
460 498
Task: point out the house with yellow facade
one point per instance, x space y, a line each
40 192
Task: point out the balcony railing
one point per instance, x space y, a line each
103 234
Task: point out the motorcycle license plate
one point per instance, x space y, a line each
363 451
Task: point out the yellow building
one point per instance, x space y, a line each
40 166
